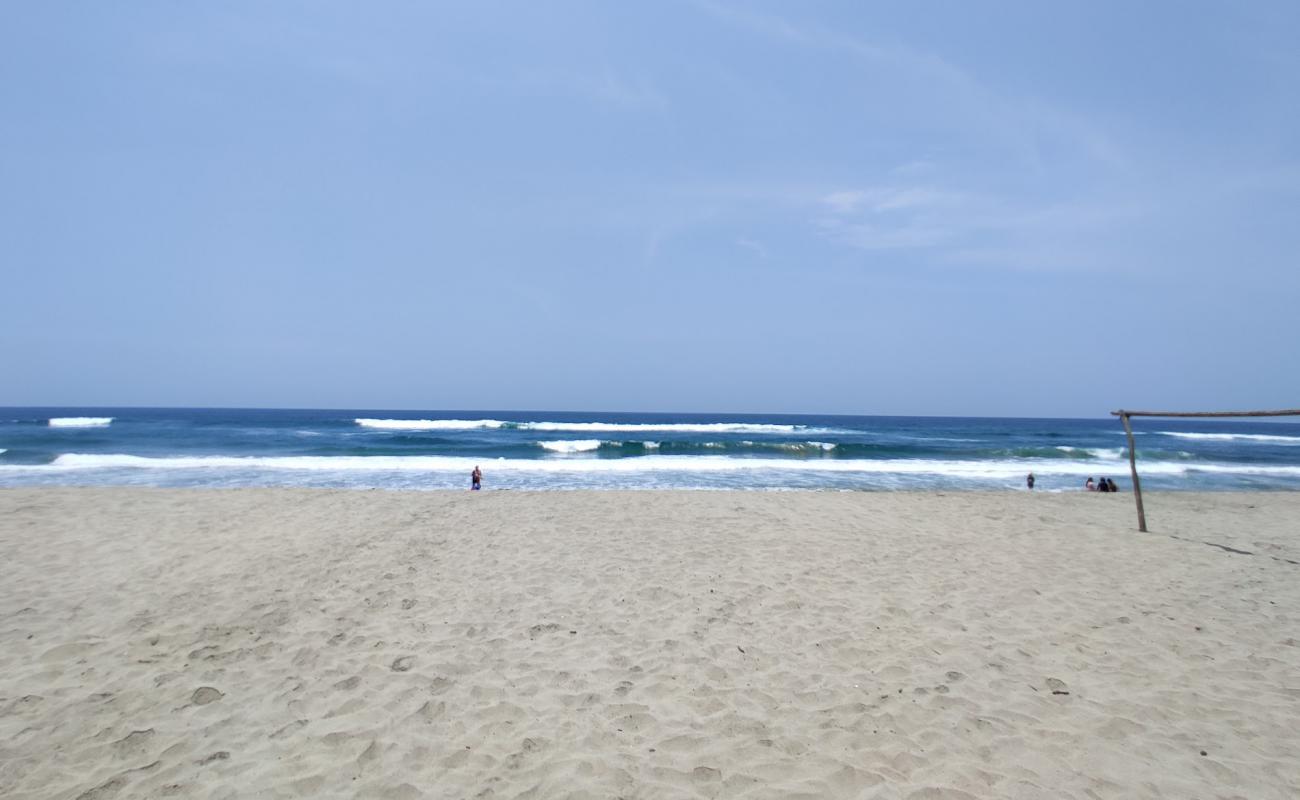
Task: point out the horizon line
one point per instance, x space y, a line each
1102 415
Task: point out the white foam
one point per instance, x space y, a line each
1226 437
80 422
1095 452
650 445
429 424
578 427
572 446
1113 452
799 447
669 427
643 464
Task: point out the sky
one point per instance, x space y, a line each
931 208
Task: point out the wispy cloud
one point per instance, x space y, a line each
754 246
964 227
1024 124
845 201
603 86
873 236
891 217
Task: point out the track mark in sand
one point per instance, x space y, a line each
429 712
106 789
21 703
527 747
940 793
348 683
205 652
402 664
349 707
112 786
288 729
66 651
371 753
1057 686
1225 548
220 755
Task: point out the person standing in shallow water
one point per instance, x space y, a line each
476 479
1030 481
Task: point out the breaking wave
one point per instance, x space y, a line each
1235 437
576 446
80 422
429 424
1093 452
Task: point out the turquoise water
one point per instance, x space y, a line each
565 450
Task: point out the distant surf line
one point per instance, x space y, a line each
579 427
1234 437
645 464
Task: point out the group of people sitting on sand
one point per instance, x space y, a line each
1104 485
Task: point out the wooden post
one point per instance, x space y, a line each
1133 469
1132 452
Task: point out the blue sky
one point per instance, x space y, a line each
909 208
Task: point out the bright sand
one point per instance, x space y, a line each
301 643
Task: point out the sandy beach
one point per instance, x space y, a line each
311 643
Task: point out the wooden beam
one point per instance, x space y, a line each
1133 469
1292 412
1132 452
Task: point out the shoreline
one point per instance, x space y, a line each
651 643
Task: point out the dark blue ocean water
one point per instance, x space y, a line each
563 450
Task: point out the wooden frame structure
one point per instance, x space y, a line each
1132 452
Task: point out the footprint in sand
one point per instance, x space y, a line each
133 744
538 630
204 695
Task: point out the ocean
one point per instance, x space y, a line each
569 450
